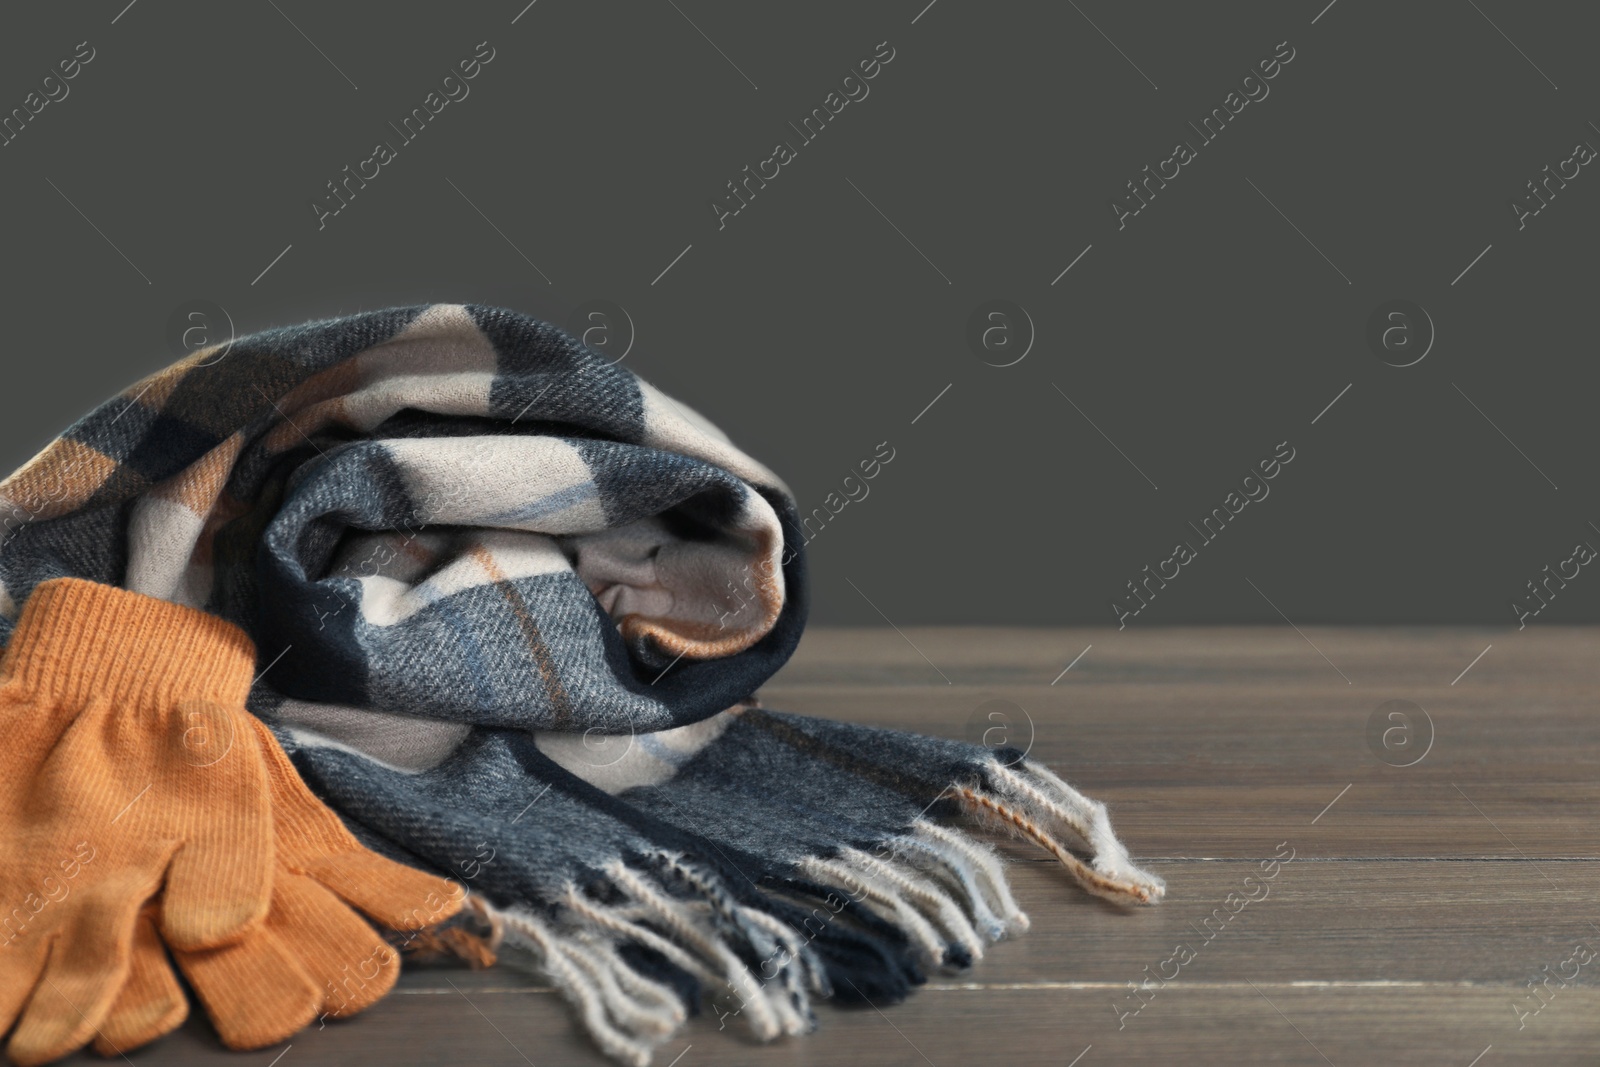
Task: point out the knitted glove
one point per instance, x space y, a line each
151 1002
313 957
128 764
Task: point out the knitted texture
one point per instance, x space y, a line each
140 770
512 604
313 957
110 788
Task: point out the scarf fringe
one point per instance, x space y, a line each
1035 804
686 916
938 887
942 888
627 1017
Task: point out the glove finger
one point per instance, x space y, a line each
311 838
350 962
89 961
390 893
151 1003
22 960
307 828
219 885
253 991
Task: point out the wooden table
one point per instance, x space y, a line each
1420 904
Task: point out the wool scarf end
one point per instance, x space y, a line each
937 891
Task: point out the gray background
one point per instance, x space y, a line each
825 317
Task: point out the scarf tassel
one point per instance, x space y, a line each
937 892
1031 802
687 918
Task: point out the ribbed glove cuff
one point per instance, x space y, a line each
77 640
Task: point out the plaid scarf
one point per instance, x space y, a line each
511 605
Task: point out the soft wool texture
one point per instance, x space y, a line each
511 605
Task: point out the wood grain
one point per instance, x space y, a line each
1407 928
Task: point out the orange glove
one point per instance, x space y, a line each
128 765
315 956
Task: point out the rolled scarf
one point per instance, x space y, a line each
511 607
